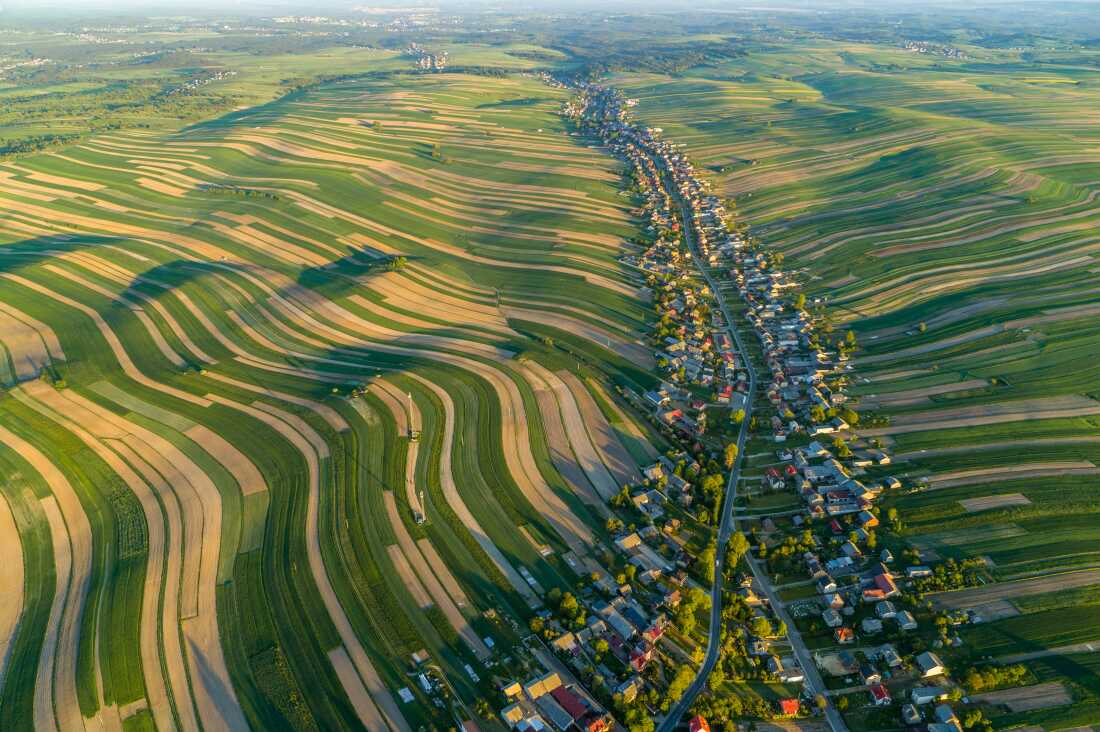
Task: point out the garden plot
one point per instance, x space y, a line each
1028 698
986 503
976 596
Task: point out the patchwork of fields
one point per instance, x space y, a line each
945 210
241 358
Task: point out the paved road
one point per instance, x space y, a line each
726 527
727 523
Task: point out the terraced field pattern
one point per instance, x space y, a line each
946 211
241 359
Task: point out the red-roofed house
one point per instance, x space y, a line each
885 582
881 695
789 707
698 724
569 702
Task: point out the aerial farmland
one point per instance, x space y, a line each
400 369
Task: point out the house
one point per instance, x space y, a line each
869 674
629 689
918 572
944 714
885 582
905 620
789 707
880 695
910 715
826 585
930 665
698 723
513 715
844 635
834 600
885 609
927 694
511 690
550 709
566 642
832 618
568 700
541 685
871 625
889 655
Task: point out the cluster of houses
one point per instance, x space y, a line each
545 702
426 60
693 345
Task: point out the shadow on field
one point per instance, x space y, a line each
16 256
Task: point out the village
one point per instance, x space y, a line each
857 607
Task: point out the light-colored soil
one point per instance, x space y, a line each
973 596
407 416
559 439
996 610
446 578
985 503
458 505
408 294
27 350
408 577
112 339
325 412
627 424
1028 698
242 469
1090 647
614 455
11 579
424 571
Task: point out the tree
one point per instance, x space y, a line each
850 338
761 627
613 525
821 702
800 301
922 327
738 417
730 455
706 563
817 413
738 545
842 703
